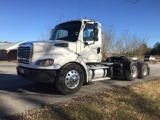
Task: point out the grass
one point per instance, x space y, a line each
140 101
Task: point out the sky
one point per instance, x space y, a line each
28 20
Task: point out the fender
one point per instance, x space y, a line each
79 61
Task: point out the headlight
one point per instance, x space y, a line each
45 62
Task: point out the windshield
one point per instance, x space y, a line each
66 31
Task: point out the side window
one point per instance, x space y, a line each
61 34
88 32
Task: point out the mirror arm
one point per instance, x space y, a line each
86 43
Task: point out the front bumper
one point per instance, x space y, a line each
38 75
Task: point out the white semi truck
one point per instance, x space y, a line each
72 57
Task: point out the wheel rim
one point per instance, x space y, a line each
72 79
134 71
144 70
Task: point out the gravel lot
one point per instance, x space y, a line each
18 95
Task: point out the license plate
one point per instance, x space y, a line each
21 70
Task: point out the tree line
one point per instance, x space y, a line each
4 42
156 49
127 44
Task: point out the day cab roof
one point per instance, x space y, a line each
81 20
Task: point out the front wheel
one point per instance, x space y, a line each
70 78
132 73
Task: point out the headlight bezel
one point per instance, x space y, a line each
45 62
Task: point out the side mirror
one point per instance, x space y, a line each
95 32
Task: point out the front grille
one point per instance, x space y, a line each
24 53
23 61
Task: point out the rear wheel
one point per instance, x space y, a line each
70 79
132 73
143 70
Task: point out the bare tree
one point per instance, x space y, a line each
129 44
108 41
47 34
49 27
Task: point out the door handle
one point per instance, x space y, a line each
98 50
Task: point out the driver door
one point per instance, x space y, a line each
90 48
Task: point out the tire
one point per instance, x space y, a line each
132 74
143 70
70 79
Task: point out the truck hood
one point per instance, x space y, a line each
42 46
49 42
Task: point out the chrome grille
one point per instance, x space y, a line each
24 53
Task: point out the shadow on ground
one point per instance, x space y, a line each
13 83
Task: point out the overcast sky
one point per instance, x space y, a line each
27 19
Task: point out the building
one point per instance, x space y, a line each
8 51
